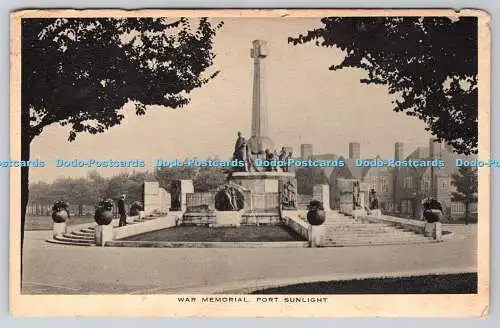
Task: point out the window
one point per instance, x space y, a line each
384 186
426 184
457 208
405 206
444 184
473 208
408 183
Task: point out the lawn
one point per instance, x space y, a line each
267 233
45 222
464 283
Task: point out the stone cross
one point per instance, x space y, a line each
259 140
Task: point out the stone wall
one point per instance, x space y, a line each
264 202
156 199
322 193
199 199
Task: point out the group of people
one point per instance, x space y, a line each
283 157
231 198
242 153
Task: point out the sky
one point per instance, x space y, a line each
306 103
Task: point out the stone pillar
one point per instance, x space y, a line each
152 200
322 193
60 229
103 234
316 235
165 200
259 140
433 230
186 188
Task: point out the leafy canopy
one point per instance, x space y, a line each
430 64
81 72
465 180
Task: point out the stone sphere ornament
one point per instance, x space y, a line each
432 215
104 213
60 216
433 211
316 213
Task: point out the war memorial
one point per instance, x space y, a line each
254 195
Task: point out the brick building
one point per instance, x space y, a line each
400 190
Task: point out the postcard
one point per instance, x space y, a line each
250 163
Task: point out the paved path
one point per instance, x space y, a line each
53 268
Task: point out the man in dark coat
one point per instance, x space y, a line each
122 212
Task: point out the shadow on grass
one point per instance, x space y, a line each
463 283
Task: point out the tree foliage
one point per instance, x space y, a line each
209 178
429 64
466 183
90 190
308 177
81 72
204 178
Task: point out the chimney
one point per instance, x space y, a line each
354 150
434 148
399 151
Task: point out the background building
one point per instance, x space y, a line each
399 190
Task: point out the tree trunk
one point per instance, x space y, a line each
466 212
25 156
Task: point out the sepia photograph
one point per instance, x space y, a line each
309 163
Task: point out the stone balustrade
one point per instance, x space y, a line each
107 233
315 235
427 229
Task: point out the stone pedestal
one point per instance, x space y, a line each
261 182
227 219
60 229
316 235
156 199
152 202
165 200
103 233
346 189
263 189
322 193
433 230
187 187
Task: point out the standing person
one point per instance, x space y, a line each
282 157
240 151
121 211
286 167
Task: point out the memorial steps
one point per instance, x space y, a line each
342 230
84 236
